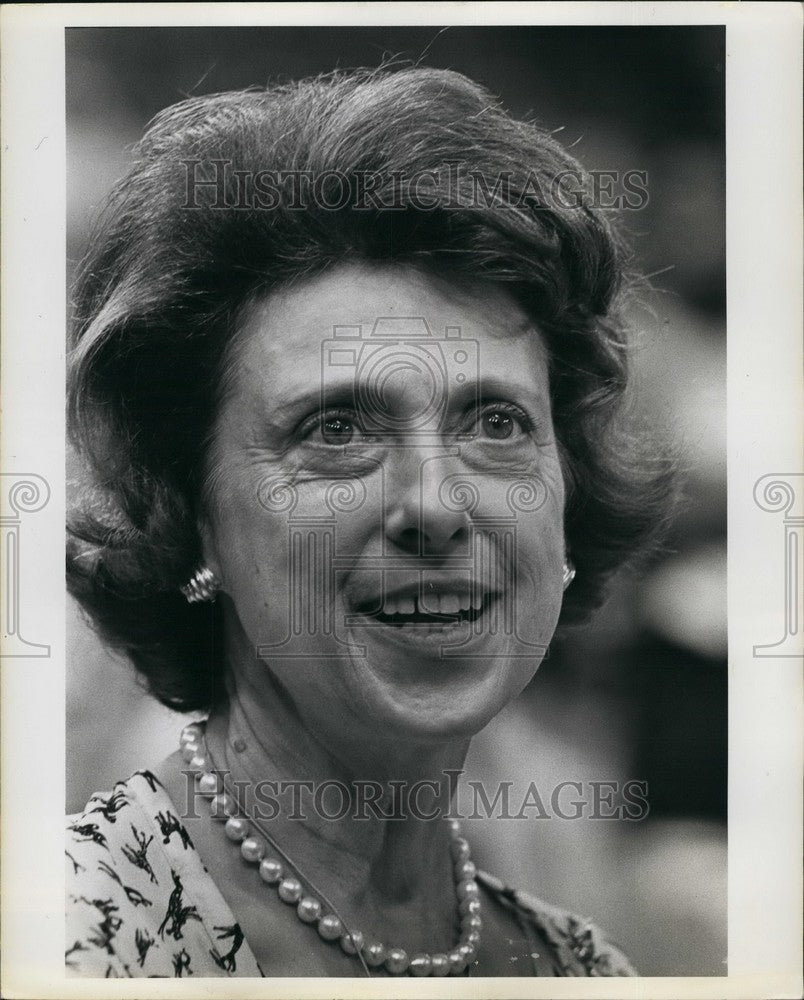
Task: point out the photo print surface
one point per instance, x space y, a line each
398 474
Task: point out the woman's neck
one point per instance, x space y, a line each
361 819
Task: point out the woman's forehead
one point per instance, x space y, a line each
325 320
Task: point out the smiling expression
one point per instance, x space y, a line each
385 500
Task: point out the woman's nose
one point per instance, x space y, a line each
419 519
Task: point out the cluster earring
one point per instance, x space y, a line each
568 574
203 586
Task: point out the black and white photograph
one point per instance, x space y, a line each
401 385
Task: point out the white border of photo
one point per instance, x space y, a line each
764 230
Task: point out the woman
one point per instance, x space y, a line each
346 371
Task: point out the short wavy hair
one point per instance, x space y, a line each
171 264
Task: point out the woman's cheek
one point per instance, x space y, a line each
290 558
540 554
254 562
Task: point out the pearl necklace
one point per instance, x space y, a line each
310 910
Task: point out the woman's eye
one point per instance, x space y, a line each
333 428
501 423
497 424
337 430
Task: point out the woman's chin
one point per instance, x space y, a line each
433 684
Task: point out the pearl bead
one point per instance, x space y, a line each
440 964
471 922
309 910
191 732
222 806
199 762
252 849
236 828
270 871
330 927
465 870
396 961
208 784
471 904
188 751
454 827
352 943
472 938
459 849
468 952
290 890
467 890
457 962
374 953
421 965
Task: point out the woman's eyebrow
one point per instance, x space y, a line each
338 394
349 392
497 386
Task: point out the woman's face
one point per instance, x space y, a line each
386 501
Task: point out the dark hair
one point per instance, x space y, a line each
158 296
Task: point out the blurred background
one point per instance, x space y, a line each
640 693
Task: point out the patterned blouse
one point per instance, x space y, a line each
141 903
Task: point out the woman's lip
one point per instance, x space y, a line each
410 637
428 638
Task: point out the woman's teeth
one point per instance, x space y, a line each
434 604
400 606
434 609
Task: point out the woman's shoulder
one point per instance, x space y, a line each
578 946
139 901
133 827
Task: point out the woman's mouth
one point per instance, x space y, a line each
436 612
